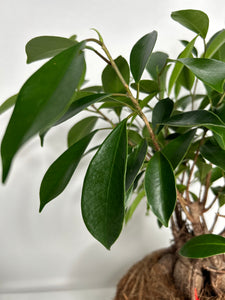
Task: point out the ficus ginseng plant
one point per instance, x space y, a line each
166 123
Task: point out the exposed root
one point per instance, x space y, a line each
150 279
163 275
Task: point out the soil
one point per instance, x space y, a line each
165 275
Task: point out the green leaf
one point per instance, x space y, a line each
210 71
143 103
93 89
81 129
186 79
135 161
80 104
134 205
60 172
160 187
175 151
215 44
42 100
220 192
204 246
146 86
195 20
123 101
203 171
103 191
184 101
178 66
8 103
141 53
216 174
194 51
214 154
221 199
110 80
156 63
134 137
198 118
161 112
46 46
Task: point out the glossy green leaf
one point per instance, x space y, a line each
195 20
128 195
110 80
213 153
134 162
46 46
210 71
203 246
156 64
219 191
221 199
42 100
60 172
216 43
160 187
141 53
203 171
134 205
104 188
194 50
81 129
143 103
177 148
146 86
186 79
178 66
8 103
93 89
216 173
198 118
134 137
220 111
111 104
161 112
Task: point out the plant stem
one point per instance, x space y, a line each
183 203
221 99
99 54
213 202
193 166
103 115
138 89
130 95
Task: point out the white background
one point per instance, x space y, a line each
53 251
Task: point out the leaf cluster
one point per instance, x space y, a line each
165 133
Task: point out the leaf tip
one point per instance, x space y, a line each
41 207
99 35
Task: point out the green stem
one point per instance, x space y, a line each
138 91
103 115
221 99
99 54
130 95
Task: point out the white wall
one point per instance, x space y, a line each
53 250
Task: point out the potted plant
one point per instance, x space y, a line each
165 144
